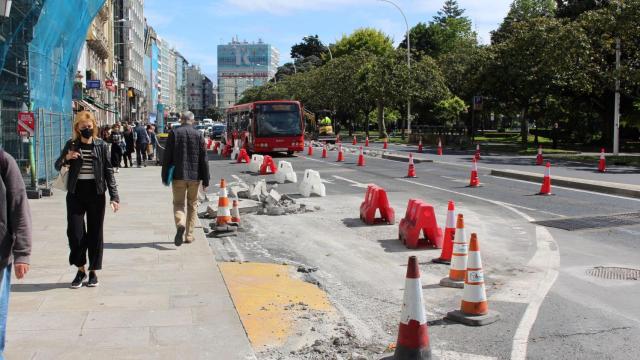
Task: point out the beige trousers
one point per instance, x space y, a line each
185 190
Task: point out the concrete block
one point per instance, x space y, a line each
473 320
446 282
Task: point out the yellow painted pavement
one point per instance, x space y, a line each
269 300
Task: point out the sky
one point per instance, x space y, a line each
196 27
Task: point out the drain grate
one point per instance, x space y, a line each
593 222
614 273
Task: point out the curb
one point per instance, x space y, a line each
595 186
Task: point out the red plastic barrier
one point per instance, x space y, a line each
227 150
268 164
243 155
216 145
420 218
376 199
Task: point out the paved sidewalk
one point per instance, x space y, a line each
155 301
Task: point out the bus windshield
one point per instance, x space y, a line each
278 120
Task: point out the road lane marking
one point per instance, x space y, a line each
353 183
322 161
547 257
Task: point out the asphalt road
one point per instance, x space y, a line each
536 276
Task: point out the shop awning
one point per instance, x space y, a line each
85 105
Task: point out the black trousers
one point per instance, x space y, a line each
141 153
85 202
127 159
116 156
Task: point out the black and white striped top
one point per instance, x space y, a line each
86 171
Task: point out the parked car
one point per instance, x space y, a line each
217 130
203 129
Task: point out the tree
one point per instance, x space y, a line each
450 10
523 10
310 46
449 110
367 40
574 8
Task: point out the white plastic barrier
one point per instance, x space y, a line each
259 188
285 173
256 163
236 150
220 147
312 184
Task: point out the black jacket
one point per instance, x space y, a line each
141 135
187 152
15 216
129 141
102 169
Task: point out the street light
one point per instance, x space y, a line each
408 61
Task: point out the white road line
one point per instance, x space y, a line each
322 161
571 189
454 355
546 257
354 183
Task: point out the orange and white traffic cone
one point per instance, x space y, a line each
439 147
449 234
224 214
310 151
477 155
386 144
420 146
539 158
235 212
340 154
458 257
361 161
324 151
475 181
411 173
355 140
474 308
366 142
546 183
413 332
602 164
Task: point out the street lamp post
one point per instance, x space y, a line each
408 61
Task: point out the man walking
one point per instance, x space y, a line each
15 233
185 166
142 140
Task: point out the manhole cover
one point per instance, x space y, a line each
593 222
614 273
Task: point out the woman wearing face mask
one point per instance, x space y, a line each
90 176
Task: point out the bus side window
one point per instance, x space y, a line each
244 122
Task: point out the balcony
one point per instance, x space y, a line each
97 41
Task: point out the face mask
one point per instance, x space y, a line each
86 133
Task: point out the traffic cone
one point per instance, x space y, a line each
475 181
324 151
474 308
386 144
420 146
366 142
546 183
361 158
477 155
602 164
224 215
412 169
539 158
458 257
355 140
235 213
413 332
439 147
340 154
310 151
449 234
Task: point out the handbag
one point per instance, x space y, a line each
60 182
149 149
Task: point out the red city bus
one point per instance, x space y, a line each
266 126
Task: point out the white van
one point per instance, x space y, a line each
206 122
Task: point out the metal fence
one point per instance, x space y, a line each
36 155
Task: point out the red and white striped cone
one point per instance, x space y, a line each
477 155
386 144
366 142
474 307
602 163
439 147
361 161
458 257
310 151
340 154
235 212
539 158
449 234
223 214
546 183
474 181
413 332
420 146
355 140
411 173
324 151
